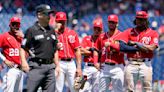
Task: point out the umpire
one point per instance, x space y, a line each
41 44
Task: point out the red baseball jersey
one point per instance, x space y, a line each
68 41
10 47
107 55
88 42
147 37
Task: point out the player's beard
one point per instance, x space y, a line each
13 31
141 27
112 27
62 28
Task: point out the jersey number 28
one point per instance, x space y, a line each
13 52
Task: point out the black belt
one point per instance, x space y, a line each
139 60
109 63
66 59
18 67
42 61
90 64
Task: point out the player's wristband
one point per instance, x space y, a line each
2 57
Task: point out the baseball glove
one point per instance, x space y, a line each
80 82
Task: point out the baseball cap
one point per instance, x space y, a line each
15 19
15 22
113 18
44 8
141 14
61 16
98 23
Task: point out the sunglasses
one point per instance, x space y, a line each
15 25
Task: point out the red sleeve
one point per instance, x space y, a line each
84 43
154 38
1 40
125 36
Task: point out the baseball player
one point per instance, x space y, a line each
112 60
68 50
10 44
139 66
91 68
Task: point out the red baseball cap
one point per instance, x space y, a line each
98 23
61 16
113 18
15 19
141 14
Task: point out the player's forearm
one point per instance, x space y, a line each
56 58
146 48
85 51
78 58
22 55
95 57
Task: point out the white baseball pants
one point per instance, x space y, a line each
92 82
111 74
12 79
68 69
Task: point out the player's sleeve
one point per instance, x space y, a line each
123 47
126 48
124 36
27 39
2 57
83 43
1 40
154 39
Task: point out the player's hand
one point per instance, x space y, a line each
25 67
107 44
57 71
19 34
9 63
97 65
58 26
78 72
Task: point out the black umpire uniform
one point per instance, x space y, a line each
41 44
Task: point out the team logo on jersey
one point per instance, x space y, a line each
38 37
146 40
71 38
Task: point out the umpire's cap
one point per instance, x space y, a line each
44 8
